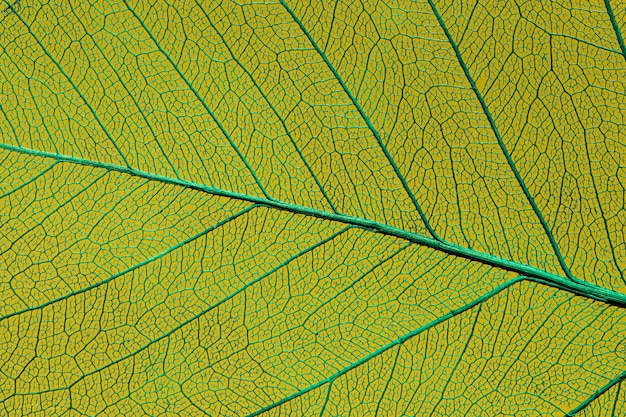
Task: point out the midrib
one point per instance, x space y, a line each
577 286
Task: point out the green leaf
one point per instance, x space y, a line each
342 208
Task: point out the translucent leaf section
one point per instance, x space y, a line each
551 75
274 301
68 227
609 402
338 208
499 366
396 59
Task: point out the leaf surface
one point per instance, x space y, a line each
312 208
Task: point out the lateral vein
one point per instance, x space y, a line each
505 151
201 101
365 118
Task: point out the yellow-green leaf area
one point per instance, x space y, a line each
295 208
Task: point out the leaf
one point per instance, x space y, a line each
312 208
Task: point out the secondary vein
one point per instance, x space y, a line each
201 101
365 118
505 151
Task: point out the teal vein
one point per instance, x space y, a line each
30 181
605 221
271 106
618 32
389 379
208 309
506 153
458 361
595 317
201 100
132 268
17 139
330 387
75 87
134 100
34 97
615 381
581 288
356 281
54 211
400 341
595 188
368 122
573 38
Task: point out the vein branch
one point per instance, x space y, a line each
616 29
75 87
132 268
210 308
505 151
398 342
578 287
30 181
271 106
6 116
368 122
615 381
233 145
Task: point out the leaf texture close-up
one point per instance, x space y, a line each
312 208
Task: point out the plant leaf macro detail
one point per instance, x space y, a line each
299 208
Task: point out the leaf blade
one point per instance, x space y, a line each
173 282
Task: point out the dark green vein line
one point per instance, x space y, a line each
582 288
457 190
34 99
200 100
506 153
391 345
12 7
134 267
458 361
470 17
618 32
596 315
401 340
388 382
370 126
75 87
595 188
35 105
53 211
133 99
330 28
619 386
211 307
565 36
280 119
193 403
30 181
605 222
6 116
532 337
617 380
356 281
330 387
